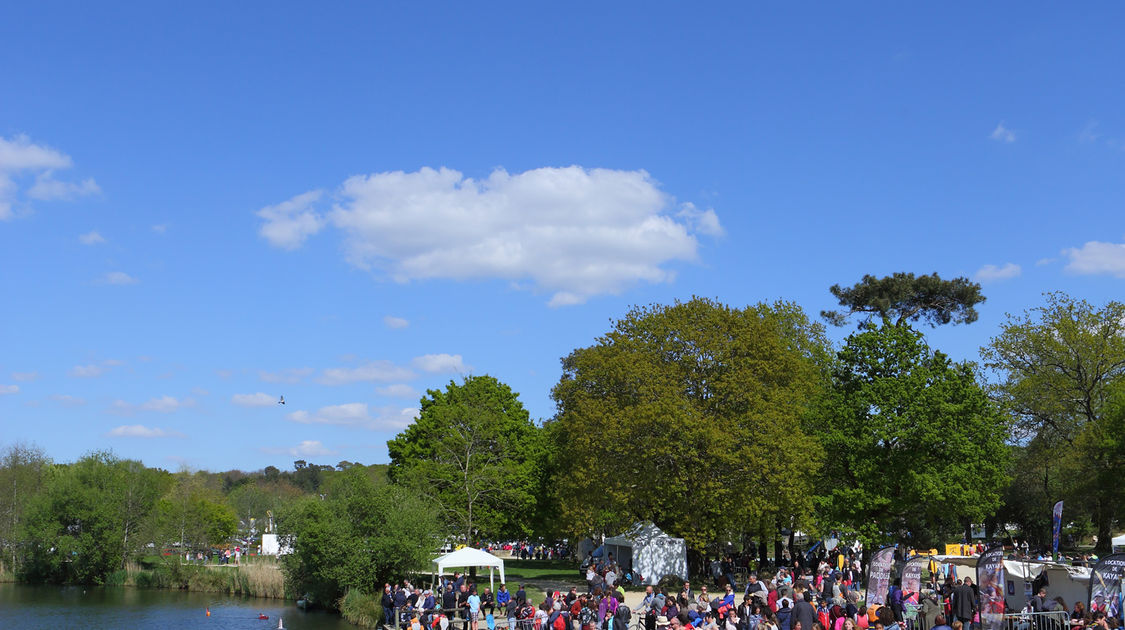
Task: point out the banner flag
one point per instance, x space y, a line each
1105 585
990 582
912 578
1056 515
879 576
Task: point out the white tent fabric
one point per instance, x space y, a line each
469 557
1070 583
1118 543
649 551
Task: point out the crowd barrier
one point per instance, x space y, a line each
403 619
1054 620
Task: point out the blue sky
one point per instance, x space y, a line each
207 206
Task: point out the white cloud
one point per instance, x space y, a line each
141 431
990 273
289 375
1003 134
381 371
6 390
1096 257
87 371
91 238
118 278
437 363
18 157
25 377
161 404
307 448
67 400
1044 261
1090 132
47 188
573 232
395 322
254 400
397 391
359 415
289 223
160 229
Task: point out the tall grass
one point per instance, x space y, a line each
361 609
260 579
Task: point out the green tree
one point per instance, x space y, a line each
904 298
80 528
194 516
474 451
359 536
691 415
914 445
254 500
23 473
1060 365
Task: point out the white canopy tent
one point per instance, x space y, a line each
469 557
649 551
1118 543
1069 582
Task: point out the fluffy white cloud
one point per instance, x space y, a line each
395 322
991 273
572 231
358 415
25 377
141 431
161 404
1003 134
18 157
289 223
307 448
87 371
91 238
254 400
9 389
438 363
118 278
290 375
381 371
1096 257
397 391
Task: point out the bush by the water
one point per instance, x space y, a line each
361 609
260 579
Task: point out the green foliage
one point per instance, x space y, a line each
906 298
474 451
193 515
914 443
23 473
82 527
362 609
360 535
1062 365
691 415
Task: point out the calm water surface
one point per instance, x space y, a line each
50 607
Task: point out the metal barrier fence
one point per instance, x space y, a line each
1054 620
403 618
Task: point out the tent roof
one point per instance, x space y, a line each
468 557
641 532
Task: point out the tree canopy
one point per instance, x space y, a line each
904 298
474 450
1061 365
691 415
915 447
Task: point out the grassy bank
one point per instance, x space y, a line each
262 578
361 609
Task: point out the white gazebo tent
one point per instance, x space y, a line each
469 557
649 551
1118 543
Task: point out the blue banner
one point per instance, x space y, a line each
1057 518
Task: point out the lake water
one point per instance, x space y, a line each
92 608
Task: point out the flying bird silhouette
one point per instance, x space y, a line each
282 401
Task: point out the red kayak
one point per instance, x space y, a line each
263 616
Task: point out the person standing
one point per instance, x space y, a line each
964 602
804 612
473 603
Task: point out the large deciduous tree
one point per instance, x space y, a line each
1061 365
360 535
902 298
914 445
691 415
23 473
474 450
